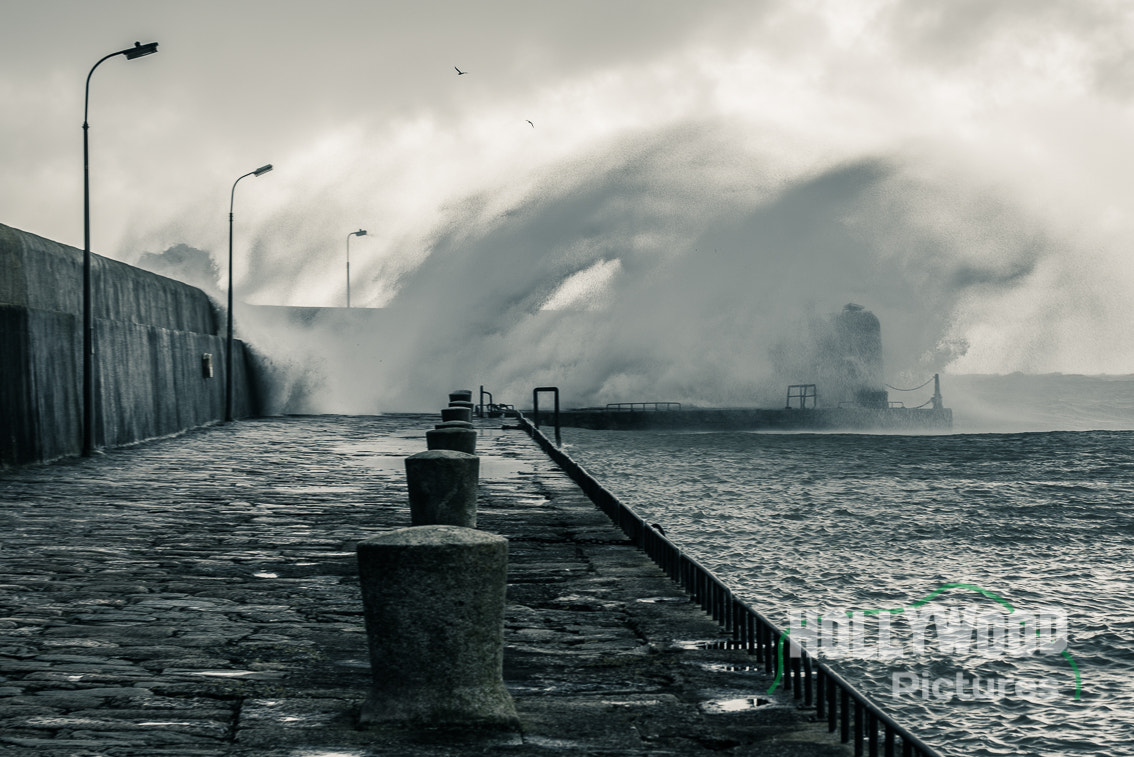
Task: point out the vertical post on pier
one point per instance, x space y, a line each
487 410
937 404
535 409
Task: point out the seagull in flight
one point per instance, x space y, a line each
460 72
533 125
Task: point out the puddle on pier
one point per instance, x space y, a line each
491 468
257 674
315 489
718 667
549 743
393 445
708 644
735 704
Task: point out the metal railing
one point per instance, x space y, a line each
859 720
491 409
801 393
935 400
637 407
480 406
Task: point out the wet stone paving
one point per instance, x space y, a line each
198 596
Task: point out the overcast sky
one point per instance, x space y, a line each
965 158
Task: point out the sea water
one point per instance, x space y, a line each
991 532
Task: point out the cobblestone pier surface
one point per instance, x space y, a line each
198 596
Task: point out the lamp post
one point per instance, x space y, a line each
359 233
228 366
137 51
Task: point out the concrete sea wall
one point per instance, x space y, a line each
151 336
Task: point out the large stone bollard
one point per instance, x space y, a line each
458 439
456 414
433 598
461 395
442 487
454 424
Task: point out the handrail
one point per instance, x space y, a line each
935 400
645 406
913 389
802 392
535 408
835 698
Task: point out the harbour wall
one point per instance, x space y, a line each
154 341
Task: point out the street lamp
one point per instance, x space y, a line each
137 51
228 370
359 233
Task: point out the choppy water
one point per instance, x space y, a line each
1040 520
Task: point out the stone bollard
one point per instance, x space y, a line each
433 598
454 424
458 439
456 414
461 395
442 487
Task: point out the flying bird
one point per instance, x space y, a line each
460 72
533 125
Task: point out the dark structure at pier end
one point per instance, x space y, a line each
839 387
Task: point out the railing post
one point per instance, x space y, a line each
820 694
807 680
858 728
832 708
844 715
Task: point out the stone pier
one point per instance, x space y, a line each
199 597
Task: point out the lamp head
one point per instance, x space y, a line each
262 170
139 50
360 233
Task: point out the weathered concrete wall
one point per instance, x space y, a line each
150 334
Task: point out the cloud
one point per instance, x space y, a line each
957 167
702 302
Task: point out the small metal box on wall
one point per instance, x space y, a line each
207 365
